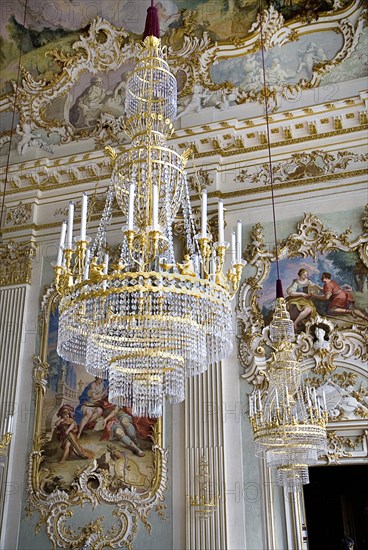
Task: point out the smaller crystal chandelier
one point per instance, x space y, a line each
288 419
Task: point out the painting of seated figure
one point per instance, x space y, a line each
334 285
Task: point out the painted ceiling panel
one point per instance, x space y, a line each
76 55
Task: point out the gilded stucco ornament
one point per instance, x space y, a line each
200 180
275 33
191 56
57 503
16 262
303 165
340 447
95 166
339 345
19 215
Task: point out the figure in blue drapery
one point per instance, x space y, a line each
93 404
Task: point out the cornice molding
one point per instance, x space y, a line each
81 169
259 193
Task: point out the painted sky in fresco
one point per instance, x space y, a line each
285 64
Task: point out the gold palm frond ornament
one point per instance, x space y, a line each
288 419
148 321
5 440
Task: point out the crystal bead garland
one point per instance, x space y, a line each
149 321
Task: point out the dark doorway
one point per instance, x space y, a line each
336 505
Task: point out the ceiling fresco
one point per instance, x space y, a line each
76 55
284 64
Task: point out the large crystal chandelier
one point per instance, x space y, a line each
288 419
147 321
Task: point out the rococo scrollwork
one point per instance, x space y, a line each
331 342
211 73
114 483
340 447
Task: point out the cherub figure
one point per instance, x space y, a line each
194 104
187 267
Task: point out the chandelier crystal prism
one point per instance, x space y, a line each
147 321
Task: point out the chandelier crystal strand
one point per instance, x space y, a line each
150 321
100 239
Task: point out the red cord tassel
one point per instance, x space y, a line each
152 27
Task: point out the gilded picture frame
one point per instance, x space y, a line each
316 249
112 462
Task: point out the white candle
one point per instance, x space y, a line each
131 206
213 266
84 217
221 225
251 406
59 260
308 397
155 207
196 264
86 264
238 241
233 246
324 400
10 424
106 264
69 236
259 400
277 398
315 397
287 396
204 214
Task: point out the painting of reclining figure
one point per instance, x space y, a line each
79 424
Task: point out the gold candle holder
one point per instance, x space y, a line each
220 278
58 270
155 235
81 247
68 275
205 249
130 236
234 276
